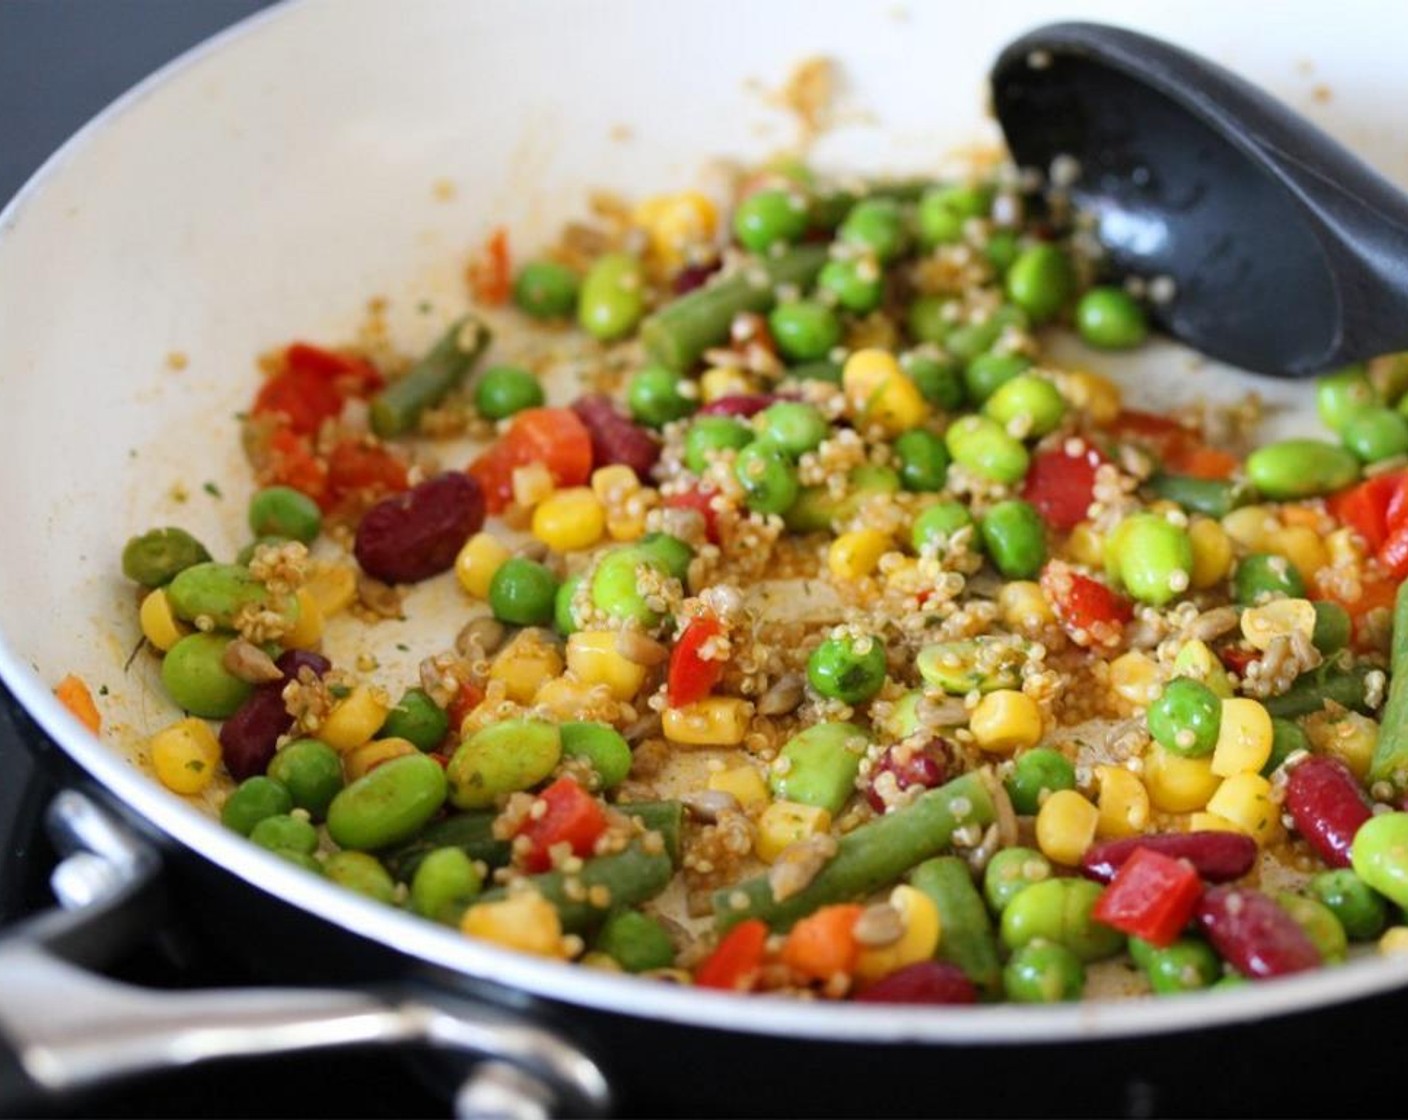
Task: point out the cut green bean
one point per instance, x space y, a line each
1391 755
471 833
1329 682
397 408
969 939
1212 497
629 878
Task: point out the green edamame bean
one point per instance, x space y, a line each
1301 468
1376 433
1111 319
311 771
616 586
943 212
981 445
1362 913
938 523
445 882
1037 773
563 617
502 391
923 460
710 434
636 941
876 224
816 508
246 554
1041 281
1010 872
1379 855
1152 557
1043 972
987 373
1263 575
546 290
987 663
1033 402
654 397
252 801
388 805
215 591
858 285
1342 395
282 511
194 674
523 592
158 556
1187 965
1059 910
505 757
1186 718
846 669
1318 922
418 719
1001 250
309 863
1015 537
968 341
938 377
602 746
821 765
612 300
1286 738
361 872
671 552
768 218
931 319
1140 952
804 330
792 427
285 833
1332 626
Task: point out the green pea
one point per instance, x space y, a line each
504 390
820 766
389 804
930 318
943 212
285 833
1010 872
523 592
1187 965
246 554
851 670
876 224
1033 402
792 427
1015 537
858 285
768 478
1379 856
968 341
1059 910
934 527
1186 718
445 882
1002 250
309 863
1152 557
709 435
602 746
1286 739
938 376
768 218
563 617
1342 395
363 873
613 297
923 460
505 757
1141 952
804 330
987 373
253 800
418 719
1043 972
1318 922
654 398
1262 575
1361 913
823 369
981 445
616 586
1301 468
1332 626
1041 281
194 674
1377 433
636 941
673 554
1111 319
282 511
311 771
218 592
159 555
1037 773
546 290
986 663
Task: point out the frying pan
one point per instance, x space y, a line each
264 188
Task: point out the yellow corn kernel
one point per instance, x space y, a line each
783 823
524 665
482 555
333 587
922 933
160 626
1343 549
747 786
614 483
1278 618
570 520
716 721
1197 660
881 393
594 660
1245 801
1243 738
626 524
1123 803
1348 736
725 381
674 223
565 698
1394 940
853 556
1302 546
1210 822
1005 721
1065 827
361 761
1250 526
1177 784
1135 678
185 755
307 632
1086 546
1212 553
354 719
1093 394
1024 607
532 483
527 922
865 371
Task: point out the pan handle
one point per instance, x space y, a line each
64 1028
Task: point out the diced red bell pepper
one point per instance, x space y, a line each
699 500
301 399
555 437
1152 896
1062 486
1201 461
1372 506
361 474
489 273
733 966
691 676
1090 612
573 817
1164 436
1235 658
466 698
292 463
1393 553
357 375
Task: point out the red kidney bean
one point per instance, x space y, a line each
292 660
927 768
924 982
1327 807
415 535
693 276
614 438
1218 857
742 405
1253 934
248 738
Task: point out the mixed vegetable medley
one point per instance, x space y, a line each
823 636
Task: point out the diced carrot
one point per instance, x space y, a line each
1300 515
73 694
1201 461
824 943
489 272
